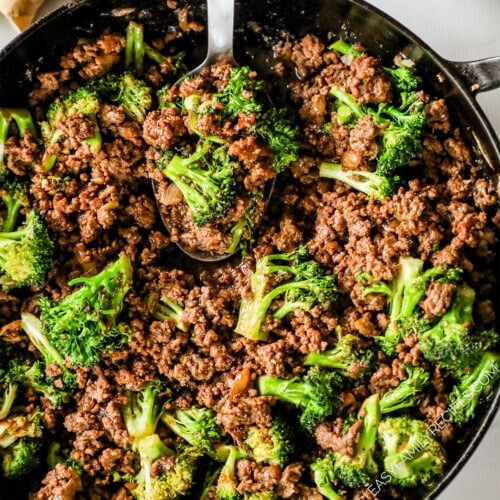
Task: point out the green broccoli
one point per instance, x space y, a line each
316 395
450 342
8 396
165 309
20 443
241 94
345 48
373 184
282 137
274 445
307 286
205 178
25 124
261 495
244 227
125 89
407 393
32 375
404 78
411 455
401 128
244 94
26 248
324 477
404 294
197 426
226 484
358 470
83 101
474 387
141 416
21 458
350 357
33 327
136 49
84 325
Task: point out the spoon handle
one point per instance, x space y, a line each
220 28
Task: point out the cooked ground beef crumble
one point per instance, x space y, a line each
98 205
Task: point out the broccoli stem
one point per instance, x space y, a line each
372 184
406 393
24 121
345 48
348 100
34 329
13 206
167 309
466 395
9 395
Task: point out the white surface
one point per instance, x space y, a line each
458 30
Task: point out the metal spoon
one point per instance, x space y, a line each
220 22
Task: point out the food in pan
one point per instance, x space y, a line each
336 354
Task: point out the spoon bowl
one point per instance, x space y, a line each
220 28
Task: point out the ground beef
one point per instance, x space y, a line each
61 482
100 204
330 436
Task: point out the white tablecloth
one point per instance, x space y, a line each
458 30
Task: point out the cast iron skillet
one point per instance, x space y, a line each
40 47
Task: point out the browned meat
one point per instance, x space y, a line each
61 482
100 203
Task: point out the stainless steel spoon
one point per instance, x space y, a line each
220 22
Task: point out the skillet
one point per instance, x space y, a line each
40 47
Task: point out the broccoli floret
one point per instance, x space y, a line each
350 357
33 375
26 248
33 327
226 485
373 184
261 495
165 309
21 458
136 49
197 426
324 477
411 455
84 101
404 293
316 395
361 468
281 136
401 127
25 124
243 228
205 178
19 426
141 415
274 445
406 394
307 286
242 92
402 137
84 325
176 482
57 454
450 342
474 387
125 89
8 396
404 78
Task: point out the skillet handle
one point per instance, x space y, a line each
481 75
